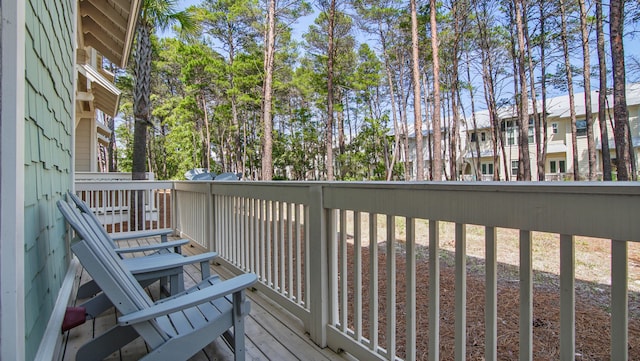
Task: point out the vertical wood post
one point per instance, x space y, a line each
318 297
210 226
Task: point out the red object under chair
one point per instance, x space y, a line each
74 316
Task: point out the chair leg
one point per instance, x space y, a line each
176 283
97 305
238 326
88 289
205 269
106 344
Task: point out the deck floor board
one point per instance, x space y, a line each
271 332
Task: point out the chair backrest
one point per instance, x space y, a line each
108 271
84 208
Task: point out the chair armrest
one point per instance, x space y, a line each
153 247
141 234
224 288
165 261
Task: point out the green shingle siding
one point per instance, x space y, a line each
48 125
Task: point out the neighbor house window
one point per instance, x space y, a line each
511 136
553 166
531 130
511 132
487 168
554 128
514 167
474 137
563 167
483 136
581 127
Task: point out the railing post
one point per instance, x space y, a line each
175 220
210 229
318 271
619 300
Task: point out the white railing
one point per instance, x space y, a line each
308 243
339 220
107 177
113 203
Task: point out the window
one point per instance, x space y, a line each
483 136
581 127
554 128
511 137
514 167
563 167
487 168
511 131
553 166
530 136
474 137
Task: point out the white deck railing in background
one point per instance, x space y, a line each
111 202
307 242
251 223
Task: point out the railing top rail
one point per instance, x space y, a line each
295 192
602 209
122 185
607 210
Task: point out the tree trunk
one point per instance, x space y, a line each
239 152
524 164
112 158
207 135
330 59
267 92
620 112
476 159
542 160
425 86
396 126
455 89
437 134
142 103
602 95
490 94
586 70
402 99
417 112
572 108
141 111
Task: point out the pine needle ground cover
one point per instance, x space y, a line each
592 294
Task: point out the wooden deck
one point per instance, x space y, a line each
271 332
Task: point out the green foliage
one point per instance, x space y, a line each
207 84
363 158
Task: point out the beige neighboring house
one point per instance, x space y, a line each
559 160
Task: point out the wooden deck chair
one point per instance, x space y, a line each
89 289
175 328
147 270
162 247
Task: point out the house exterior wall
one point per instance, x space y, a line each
83 153
49 91
559 146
